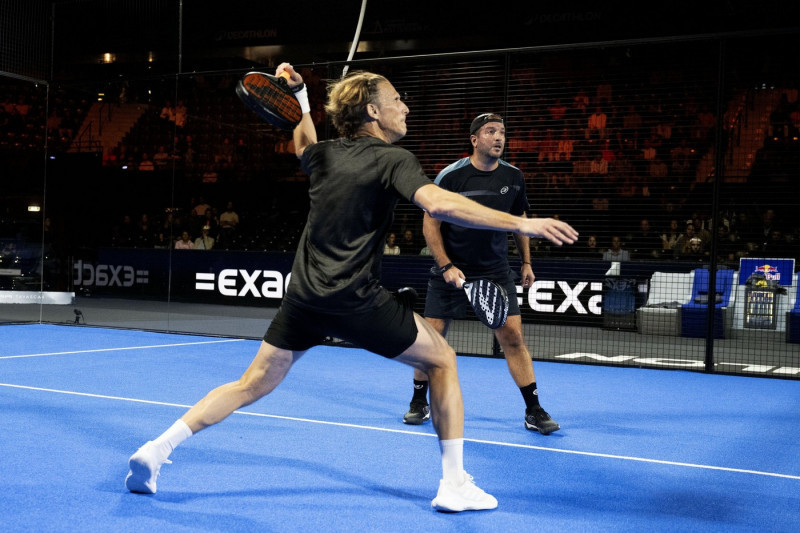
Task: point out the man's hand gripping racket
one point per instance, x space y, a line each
488 299
275 99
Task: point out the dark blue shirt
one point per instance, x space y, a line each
480 252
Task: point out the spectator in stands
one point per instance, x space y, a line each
599 166
161 157
168 111
580 104
558 112
596 126
162 241
587 249
683 246
204 241
200 208
145 235
669 239
700 228
180 114
727 248
409 244
391 248
225 153
229 219
185 242
616 252
696 251
645 242
146 164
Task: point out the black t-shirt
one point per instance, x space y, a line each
354 187
477 251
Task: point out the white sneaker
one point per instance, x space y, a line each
145 467
465 497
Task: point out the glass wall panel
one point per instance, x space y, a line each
166 204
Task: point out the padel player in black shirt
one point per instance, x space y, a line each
335 289
467 253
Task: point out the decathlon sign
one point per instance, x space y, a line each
241 283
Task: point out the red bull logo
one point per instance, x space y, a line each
771 273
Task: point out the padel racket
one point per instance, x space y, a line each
271 98
489 301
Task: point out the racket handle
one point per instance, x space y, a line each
286 75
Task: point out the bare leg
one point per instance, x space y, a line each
441 326
267 370
518 358
431 355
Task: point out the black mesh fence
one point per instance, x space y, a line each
675 158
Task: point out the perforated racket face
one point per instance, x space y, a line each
489 301
271 99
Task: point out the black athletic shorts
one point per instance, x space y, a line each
386 330
447 302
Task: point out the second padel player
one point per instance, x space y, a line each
469 253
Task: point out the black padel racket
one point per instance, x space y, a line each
489 301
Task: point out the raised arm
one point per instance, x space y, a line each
305 134
456 209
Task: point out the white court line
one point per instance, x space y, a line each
120 348
406 432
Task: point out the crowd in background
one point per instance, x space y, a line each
621 166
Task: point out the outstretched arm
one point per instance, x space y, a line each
305 134
454 208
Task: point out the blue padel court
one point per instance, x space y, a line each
639 450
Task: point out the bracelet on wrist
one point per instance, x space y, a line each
436 270
526 262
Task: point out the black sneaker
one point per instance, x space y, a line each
540 421
418 412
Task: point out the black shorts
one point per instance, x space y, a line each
447 302
387 330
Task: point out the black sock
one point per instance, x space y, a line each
531 396
420 391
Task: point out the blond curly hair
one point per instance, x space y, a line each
348 99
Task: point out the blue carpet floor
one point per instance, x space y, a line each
639 450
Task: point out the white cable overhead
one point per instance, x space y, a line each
356 37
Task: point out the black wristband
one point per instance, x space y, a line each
298 88
435 270
526 262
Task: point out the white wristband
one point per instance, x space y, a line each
302 99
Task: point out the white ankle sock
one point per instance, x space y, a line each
452 460
169 440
